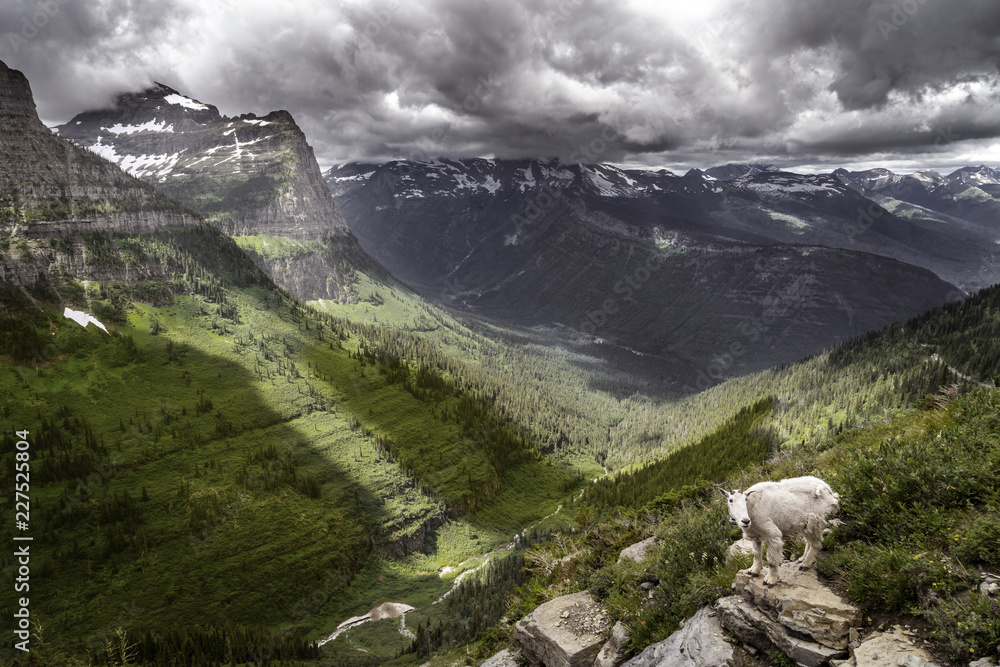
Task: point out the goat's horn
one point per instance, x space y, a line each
741 482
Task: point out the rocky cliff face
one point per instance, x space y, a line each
53 193
48 187
802 618
246 174
249 176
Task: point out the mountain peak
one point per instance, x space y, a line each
981 175
59 189
17 106
730 172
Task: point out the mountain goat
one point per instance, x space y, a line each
770 511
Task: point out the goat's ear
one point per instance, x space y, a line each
722 491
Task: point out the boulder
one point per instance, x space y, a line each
802 605
700 643
566 632
890 649
502 659
637 551
752 626
740 546
990 586
613 652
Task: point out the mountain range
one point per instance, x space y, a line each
221 473
679 281
708 275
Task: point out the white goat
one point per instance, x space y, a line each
770 511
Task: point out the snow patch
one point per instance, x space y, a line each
529 179
185 102
83 319
605 188
138 166
260 122
149 126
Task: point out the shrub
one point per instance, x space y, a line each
979 542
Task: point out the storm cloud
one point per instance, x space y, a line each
794 82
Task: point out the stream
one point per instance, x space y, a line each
400 610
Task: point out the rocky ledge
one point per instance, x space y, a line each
799 616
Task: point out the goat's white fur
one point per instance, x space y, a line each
770 511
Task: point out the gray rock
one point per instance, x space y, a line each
613 652
502 659
983 662
637 551
740 546
891 649
802 605
546 637
752 626
700 643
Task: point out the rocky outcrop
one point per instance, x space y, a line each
889 649
700 643
568 631
637 552
614 652
502 659
755 628
741 547
800 603
799 616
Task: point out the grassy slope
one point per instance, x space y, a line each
919 495
227 534
919 489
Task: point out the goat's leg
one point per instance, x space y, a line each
758 561
807 557
814 539
775 554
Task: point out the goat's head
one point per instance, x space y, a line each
737 501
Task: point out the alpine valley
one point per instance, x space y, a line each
377 418
707 275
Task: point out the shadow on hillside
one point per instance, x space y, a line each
199 503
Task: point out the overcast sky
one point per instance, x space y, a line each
811 84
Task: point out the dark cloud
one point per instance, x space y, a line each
796 81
